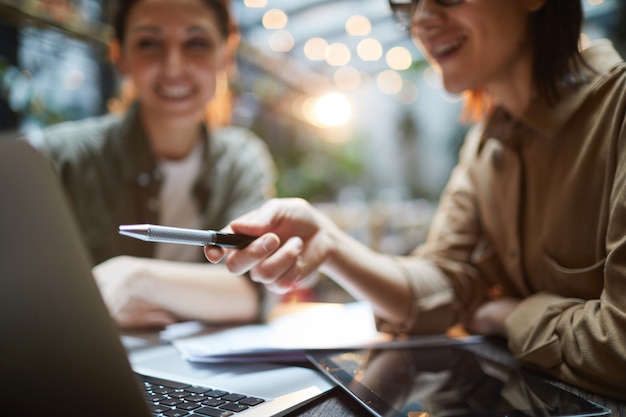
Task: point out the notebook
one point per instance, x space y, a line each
60 352
453 379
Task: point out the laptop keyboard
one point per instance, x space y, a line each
173 399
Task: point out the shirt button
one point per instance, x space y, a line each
153 204
143 179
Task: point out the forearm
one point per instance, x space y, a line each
196 291
369 275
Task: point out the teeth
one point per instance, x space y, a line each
440 50
174 92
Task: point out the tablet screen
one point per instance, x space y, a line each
446 381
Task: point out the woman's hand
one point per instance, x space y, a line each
489 318
117 278
293 242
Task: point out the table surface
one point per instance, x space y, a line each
338 403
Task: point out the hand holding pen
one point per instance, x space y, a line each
293 242
221 243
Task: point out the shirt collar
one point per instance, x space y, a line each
547 119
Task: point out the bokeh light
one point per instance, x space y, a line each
399 58
329 110
315 49
347 78
275 19
389 82
369 49
255 3
281 41
358 26
338 54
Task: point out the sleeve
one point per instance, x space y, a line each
246 170
583 342
441 276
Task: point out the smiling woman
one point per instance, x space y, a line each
173 52
529 239
161 162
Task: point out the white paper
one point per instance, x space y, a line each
322 326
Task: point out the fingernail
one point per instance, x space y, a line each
270 244
212 253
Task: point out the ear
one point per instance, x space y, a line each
535 5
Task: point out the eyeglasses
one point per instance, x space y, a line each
403 9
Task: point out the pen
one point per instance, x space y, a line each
154 233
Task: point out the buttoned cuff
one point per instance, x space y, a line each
433 308
531 331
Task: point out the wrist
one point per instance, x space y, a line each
140 282
337 246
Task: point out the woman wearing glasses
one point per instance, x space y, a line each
529 241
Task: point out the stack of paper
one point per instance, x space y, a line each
288 337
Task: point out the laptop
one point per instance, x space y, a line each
452 379
60 351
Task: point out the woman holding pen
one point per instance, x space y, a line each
529 241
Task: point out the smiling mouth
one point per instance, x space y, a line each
442 49
174 93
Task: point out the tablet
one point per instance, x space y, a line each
451 380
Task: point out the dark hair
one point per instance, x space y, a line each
219 7
555 35
555 31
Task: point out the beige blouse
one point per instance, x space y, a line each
536 209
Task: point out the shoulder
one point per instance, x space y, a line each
240 152
605 66
606 98
235 137
238 142
601 56
75 137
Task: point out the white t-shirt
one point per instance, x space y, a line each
178 207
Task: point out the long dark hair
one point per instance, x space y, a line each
555 35
219 7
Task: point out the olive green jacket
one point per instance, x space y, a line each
536 210
111 178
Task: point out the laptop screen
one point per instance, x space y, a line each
446 381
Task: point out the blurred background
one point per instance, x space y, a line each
356 120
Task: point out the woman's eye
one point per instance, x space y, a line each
200 44
147 44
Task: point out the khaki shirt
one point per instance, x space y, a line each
536 210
